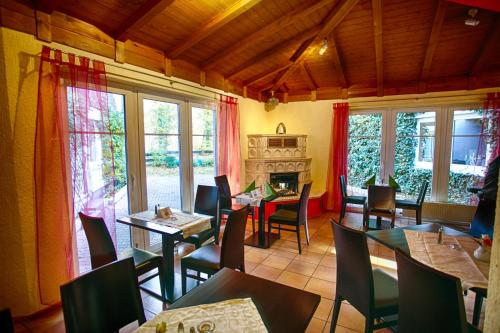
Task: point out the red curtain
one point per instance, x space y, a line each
228 141
74 164
337 162
490 131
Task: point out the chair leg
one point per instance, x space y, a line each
418 217
279 231
478 304
393 220
335 313
298 239
184 277
342 211
306 226
242 267
198 275
269 228
253 219
368 325
162 276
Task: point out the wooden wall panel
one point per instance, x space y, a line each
17 16
144 56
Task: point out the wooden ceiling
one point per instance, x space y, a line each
253 47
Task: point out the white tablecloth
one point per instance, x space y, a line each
236 315
453 256
189 224
247 199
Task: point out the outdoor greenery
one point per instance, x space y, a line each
117 126
364 157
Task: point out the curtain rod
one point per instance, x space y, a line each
213 91
402 99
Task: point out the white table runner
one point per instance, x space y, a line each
247 199
453 256
236 315
189 224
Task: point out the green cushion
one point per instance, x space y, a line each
284 215
406 204
386 293
356 199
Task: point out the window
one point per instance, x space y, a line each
203 143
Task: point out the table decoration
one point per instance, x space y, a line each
189 224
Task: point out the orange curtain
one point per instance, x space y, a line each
337 162
228 141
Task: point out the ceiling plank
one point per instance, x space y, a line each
306 74
333 19
379 54
47 6
215 23
141 17
306 8
262 76
272 51
490 43
337 61
433 39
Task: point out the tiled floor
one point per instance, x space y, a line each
314 270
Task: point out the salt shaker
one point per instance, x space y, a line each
440 235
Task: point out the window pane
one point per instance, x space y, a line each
203 122
160 117
364 149
469 155
414 151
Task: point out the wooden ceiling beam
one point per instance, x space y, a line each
433 39
332 20
337 61
47 6
306 8
141 17
213 25
306 74
271 52
379 53
491 42
267 74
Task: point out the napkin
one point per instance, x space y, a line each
250 188
370 181
393 182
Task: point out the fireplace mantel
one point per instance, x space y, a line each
273 153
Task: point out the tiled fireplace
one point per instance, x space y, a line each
282 156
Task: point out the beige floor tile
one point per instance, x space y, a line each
315 326
266 272
325 273
284 252
324 309
321 287
340 329
301 267
309 256
329 261
350 317
291 279
255 256
277 262
250 266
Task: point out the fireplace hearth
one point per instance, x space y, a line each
285 184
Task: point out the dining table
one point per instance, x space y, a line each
170 233
282 308
398 238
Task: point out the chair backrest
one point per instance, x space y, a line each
343 187
422 193
381 197
429 300
233 250
6 323
224 191
103 300
484 219
207 202
354 270
304 199
101 247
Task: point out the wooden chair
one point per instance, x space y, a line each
415 205
102 251
294 215
206 202
374 293
209 259
226 200
429 300
6 323
103 300
352 199
381 203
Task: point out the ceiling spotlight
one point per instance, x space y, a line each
323 47
472 21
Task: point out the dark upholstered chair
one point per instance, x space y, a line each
294 215
206 202
209 259
381 202
102 251
429 300
352 199
103 300
226 200
374 293
415 205
6 323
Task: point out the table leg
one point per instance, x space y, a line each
262 227
168 259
